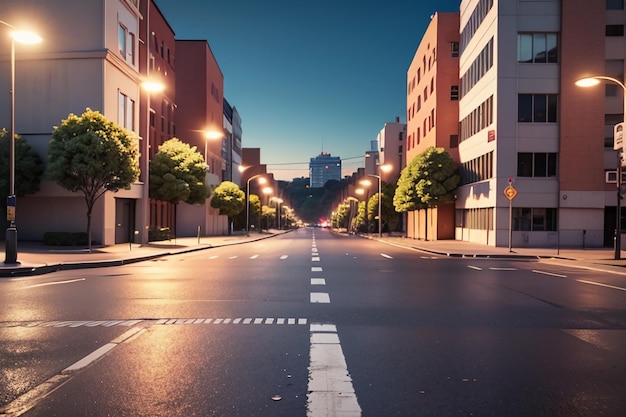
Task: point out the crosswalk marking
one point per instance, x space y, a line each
148 322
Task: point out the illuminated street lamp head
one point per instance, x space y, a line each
153 86
24 36
386 168
365 182
587 82
359 191
263 180
268 190
213 134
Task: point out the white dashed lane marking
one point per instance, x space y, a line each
318 281
320 297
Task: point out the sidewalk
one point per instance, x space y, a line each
36 258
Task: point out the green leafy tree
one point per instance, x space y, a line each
358 223
427 181
28 171
177 173
391 218
92 155
229 199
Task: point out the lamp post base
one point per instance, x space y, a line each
11 246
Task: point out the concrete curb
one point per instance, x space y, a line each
41 269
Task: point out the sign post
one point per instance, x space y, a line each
510 193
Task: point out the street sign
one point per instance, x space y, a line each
510 192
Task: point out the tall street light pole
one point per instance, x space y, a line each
25 37
262 180
619 147
149 87
383 168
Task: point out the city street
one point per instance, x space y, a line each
311 323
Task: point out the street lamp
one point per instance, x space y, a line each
591 82
25 37
383 168
210 135
149 86
262 180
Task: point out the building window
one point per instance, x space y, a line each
126 44
615 4
537 47
454 92
537 108
614 30
534 219
126 111
454 141
454 49
537 165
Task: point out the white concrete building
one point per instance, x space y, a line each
522 118
88 58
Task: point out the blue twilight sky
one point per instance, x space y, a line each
310 76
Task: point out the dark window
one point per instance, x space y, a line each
454 141
614 30
538 108
455 49
537 47
525 108
454 92
615 4
524 164
540 165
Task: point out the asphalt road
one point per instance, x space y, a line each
314 324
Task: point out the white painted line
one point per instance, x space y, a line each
218 321
280 321
315 259
302 321
208 321
247 321
475 267
325 338
502 269
258 321
320 297
601 285
284 257
552 274
291 321
254 256
316 269
213 257
318 281
69 281
269 321
330 389
318 327
384 255
237 320
101 351
232 257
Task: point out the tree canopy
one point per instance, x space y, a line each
229 199
177 173
28 171
92 155
428 180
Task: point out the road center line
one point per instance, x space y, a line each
477 268
320 297
330 389
384 255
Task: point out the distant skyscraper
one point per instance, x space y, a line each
322 168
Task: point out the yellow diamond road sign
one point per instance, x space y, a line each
510 192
